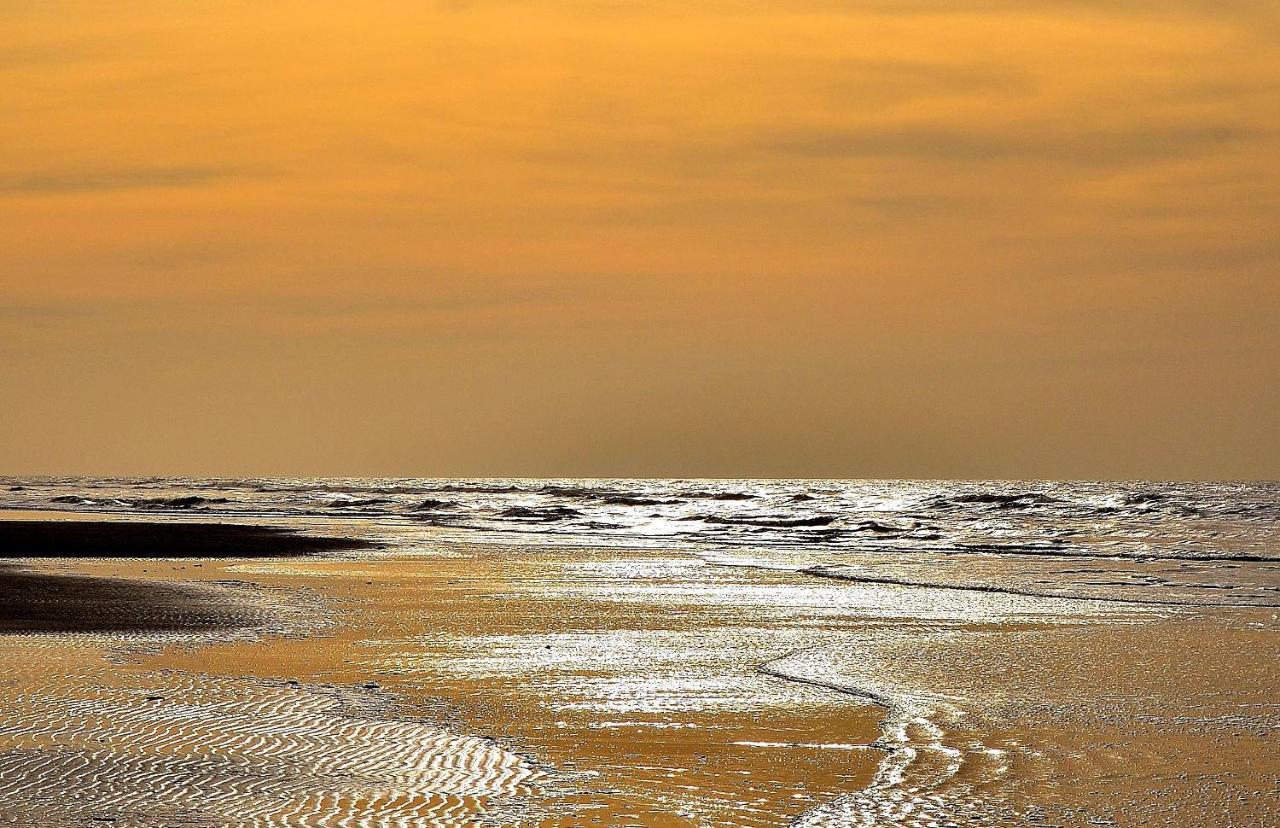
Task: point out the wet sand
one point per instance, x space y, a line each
82 538
38 601
449 684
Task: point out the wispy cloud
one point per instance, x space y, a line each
973 145
60 182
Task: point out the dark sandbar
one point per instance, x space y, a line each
120 539
52 603
48 602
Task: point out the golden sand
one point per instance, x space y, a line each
541 686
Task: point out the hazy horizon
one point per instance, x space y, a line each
687 479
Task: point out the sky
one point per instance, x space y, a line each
713 238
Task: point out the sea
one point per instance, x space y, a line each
1195 543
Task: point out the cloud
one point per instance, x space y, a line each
365 296
126 178
22 310
964 145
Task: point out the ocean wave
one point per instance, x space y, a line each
546 513
769 522
628 500
1237 522
431 505
184 502
355 504
720 496
1014 500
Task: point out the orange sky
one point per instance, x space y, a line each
1014 238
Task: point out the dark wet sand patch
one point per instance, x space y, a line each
121 539
53 603
34 601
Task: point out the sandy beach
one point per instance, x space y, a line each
391 678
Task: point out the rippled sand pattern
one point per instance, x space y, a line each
1115 723
83 741
636 670
661 687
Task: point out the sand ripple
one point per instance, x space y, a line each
80 742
